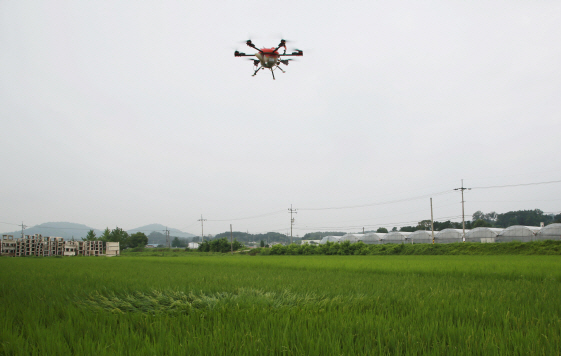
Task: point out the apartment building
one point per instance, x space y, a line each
37 245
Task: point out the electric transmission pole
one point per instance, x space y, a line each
22 228
231 240
463 219
431 221
167 237
292 211
202 231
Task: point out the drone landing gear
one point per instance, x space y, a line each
273 73
257 70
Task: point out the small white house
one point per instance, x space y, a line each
112 249
193 245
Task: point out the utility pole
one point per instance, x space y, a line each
231 240
431 221
167 237
292 211
202 232
463 219
22 227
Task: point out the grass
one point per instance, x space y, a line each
294 305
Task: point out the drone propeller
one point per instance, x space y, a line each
281 44
250 44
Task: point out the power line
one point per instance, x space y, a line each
8 223
381 203
517 185
58 228
186 227
251 217
310 228
511 201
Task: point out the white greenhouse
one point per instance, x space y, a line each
330 239
421 237
518 233
483 234
448 236
397 237
352 238
550 232
372 238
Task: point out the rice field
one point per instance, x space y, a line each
281 305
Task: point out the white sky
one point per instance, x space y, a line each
125 113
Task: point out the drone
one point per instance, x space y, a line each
269 57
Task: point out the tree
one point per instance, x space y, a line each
90 236
489 217
116 235
177 242
321 234
480 223
138 239
523 217
424 225
478 215
394 228
262 244
106 235
218 245
382 229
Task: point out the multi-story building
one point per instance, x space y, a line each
8 245
37 245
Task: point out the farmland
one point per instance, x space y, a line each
294 305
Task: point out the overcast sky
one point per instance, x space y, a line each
126 113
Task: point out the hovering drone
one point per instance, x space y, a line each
269 57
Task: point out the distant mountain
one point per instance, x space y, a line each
158 238
160 229
78 231
58 229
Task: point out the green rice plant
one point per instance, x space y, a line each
221 304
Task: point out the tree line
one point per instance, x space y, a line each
219 245
360 248
138 239
492 219
245 237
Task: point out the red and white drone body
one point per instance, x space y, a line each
269 57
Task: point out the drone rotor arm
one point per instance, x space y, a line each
241 54
250 44
299 53
281 44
